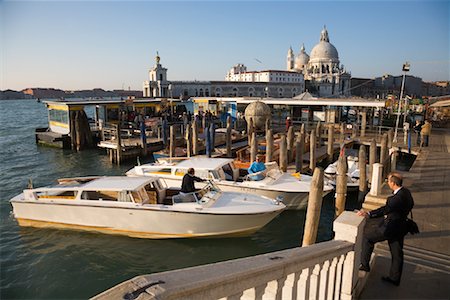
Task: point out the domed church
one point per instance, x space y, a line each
326 77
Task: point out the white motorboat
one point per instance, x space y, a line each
143 207
352 172
292 189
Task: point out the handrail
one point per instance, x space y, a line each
239 276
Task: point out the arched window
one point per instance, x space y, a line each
251 92
201 93
235 92
161 77
206 92
280 92
294 92
218 92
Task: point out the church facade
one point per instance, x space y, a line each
321 69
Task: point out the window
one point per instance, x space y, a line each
61 116
100 195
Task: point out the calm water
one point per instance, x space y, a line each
47 263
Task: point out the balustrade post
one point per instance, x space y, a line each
349 227
377 179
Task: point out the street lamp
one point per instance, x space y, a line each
404 69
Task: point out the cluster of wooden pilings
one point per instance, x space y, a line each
81 135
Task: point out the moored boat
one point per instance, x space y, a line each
292 189
142 207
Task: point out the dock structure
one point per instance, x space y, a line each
329 270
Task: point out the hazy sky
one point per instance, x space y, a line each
112 44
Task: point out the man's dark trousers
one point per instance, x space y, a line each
374 235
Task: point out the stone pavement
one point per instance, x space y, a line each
426 273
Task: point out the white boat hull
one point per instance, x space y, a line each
142 221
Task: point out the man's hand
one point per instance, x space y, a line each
362 213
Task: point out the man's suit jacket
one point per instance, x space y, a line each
395 213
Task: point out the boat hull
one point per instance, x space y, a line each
139 221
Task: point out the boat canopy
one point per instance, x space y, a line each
204 163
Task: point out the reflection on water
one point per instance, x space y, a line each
50 263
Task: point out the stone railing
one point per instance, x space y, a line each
327 270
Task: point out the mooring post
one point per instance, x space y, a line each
188 137
249 130
290 144
312 150
207 142
194 137
119 145
283 153
354 131
171 142
143 138
299 145
228 137
212 135
314 207
342 133
319 134
393 160
383 149
330 144
390 134
363 123
341 183
372 157
269 145
362 173
253 147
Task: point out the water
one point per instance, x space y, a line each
49 263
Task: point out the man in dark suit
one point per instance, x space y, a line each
392 228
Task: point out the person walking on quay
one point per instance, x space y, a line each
417 128
392 227
425 134
288 123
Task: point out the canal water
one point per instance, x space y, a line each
55 264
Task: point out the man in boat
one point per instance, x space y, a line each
188 183
256 169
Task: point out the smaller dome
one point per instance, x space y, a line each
302 59
259 112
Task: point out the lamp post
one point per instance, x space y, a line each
404 69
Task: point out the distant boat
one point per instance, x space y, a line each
352 172
142 207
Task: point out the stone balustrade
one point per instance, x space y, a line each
327 270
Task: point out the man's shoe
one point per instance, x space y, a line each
364 268
391 281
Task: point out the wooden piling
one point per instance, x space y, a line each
314 207
269 145
228 137
212 136
253 147
299 146
342 133
362 173
372 157
171 141
383 149
390 138
312 150
341 183
290 144
363 123
119 145
283 153
194 137
207 141
188 137
249 130
330 142
319 134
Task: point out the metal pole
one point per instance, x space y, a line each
399 107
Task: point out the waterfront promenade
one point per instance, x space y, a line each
426 273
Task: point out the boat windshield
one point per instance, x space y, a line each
210 192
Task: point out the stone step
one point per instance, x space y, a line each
423 257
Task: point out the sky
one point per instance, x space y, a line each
75 45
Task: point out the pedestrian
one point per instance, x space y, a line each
417 128
288 123
425 134
392 227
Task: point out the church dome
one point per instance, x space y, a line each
324 49
302 59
